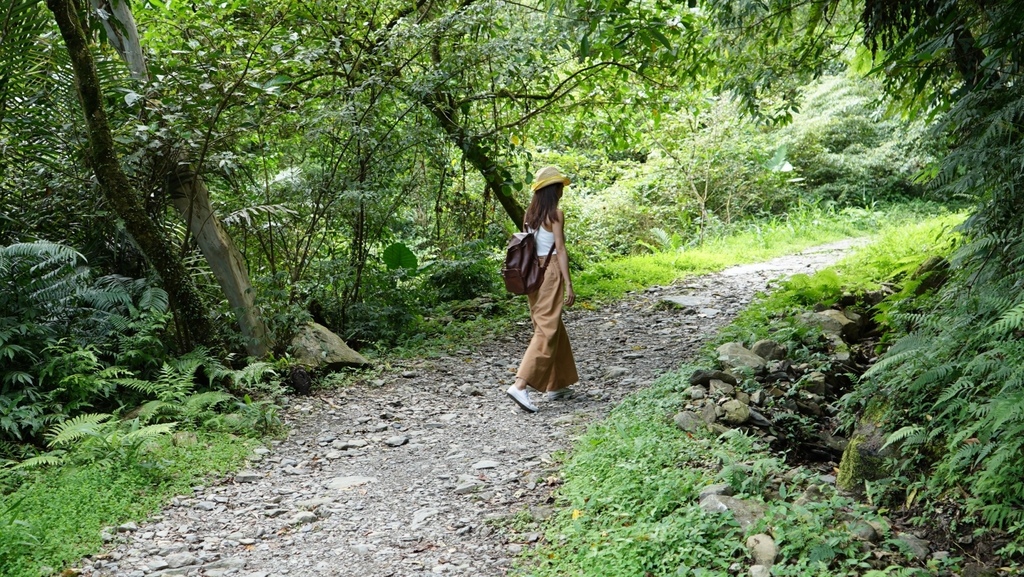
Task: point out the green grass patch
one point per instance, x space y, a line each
55 516
895 251
753 242
629 504
625 499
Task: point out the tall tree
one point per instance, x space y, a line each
193 323
190 196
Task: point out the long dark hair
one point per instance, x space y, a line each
543 206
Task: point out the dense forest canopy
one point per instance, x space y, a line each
309 137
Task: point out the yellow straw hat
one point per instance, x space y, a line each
548 175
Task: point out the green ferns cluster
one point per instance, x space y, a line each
953 384
85 363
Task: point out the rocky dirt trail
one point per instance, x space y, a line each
403 475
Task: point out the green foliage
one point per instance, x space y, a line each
54 517
93 440
775 238
629 503
397 255
954 383
627 497
177 400
846 151
466 272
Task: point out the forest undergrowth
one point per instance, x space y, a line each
629 504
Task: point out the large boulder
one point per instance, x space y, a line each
736 356
315 346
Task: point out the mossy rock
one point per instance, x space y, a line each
864 458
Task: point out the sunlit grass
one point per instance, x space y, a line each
751 243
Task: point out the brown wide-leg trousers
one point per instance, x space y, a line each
548 364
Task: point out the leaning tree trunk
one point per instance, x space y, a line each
189 194
191 198
123 35
193 324
475 154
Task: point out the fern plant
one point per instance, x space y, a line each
954 383
96 439
64 338
176 398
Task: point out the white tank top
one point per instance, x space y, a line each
545 240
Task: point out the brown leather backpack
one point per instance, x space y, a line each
522 271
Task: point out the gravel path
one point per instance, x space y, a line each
402 476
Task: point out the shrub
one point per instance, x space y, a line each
469 271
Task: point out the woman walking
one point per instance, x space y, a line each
548 365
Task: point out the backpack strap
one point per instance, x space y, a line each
547 260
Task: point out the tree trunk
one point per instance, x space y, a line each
193 324
191 198
189 194
123 35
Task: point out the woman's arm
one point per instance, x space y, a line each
558 229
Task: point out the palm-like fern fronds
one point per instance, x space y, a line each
76 428
199 403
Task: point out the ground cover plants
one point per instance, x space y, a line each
57 515
629 500
631 492
99 422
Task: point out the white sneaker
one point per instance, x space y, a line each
522 398
560 394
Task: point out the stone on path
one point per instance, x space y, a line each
420 517
687 301
177 560
344 483
246 477
612 373
302 517
762 548
485 464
